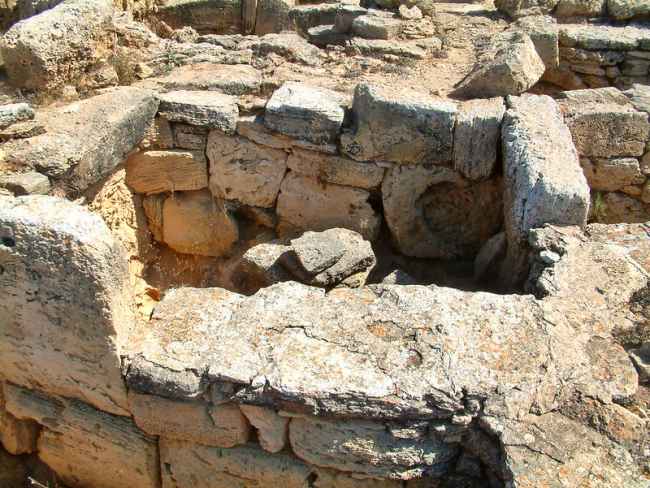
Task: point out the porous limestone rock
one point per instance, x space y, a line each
29 183
195 466
477 136
272 429
369 448
543 180
581 8
376 27
153 210
627 9
379 48
161 171
65 301
57 46
243 171
289 45
203 108
335 169
86 446
615 207
158 135
305 112
16 436
433 212
15 112
231 79
305 203
604 124
544 33
204 16
345 15
523 8
195 223
612 174
272 16
261 266
405 127
195 421
509 67
85 141
190 137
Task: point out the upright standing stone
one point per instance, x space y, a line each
65 302
544 183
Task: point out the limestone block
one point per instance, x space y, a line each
604 125
65 301
510 67
305 112
85 446
627 9
151 172
477 136
153 209
260 267
290 46
273 16
612 174
243 171
16 436
57 46
304 17
523 8
190 137
581 8
543 181
272 429
203 108
405 127
15 112
615 207
376 27
195 223
85 141
379 48
326 35
433 212
543 31
196 421
195 466
368 448
30 183
204 16
158 135
607 37
305 203
345 15
335 169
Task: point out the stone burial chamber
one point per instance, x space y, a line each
252 244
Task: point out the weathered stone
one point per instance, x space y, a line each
196 466
16 436
161 171
305 203
413 13
153 209
158 135
57 46
260 267
345 15
217 425
241 170
204 108
190 137
171 381
523 8
335 169
408 127
195 223
305 112
635 67
85 446
627 9
580 8
30 183
639 96
376 27
543 31
543 181
273 16
641 359
510 67
291 46
604 125
488 259
326 35
87 140
15 112
423 210
476 137
304 17
612 174
317 251
272 429
22 130
231 79
215 16
368 448
599 58
615 207
607 37
65 300
381 48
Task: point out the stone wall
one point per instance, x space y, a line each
389 385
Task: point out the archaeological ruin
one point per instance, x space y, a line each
325 244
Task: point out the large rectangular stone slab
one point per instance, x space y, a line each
203 108
543 180
66 308
85 141
160 171
405 127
